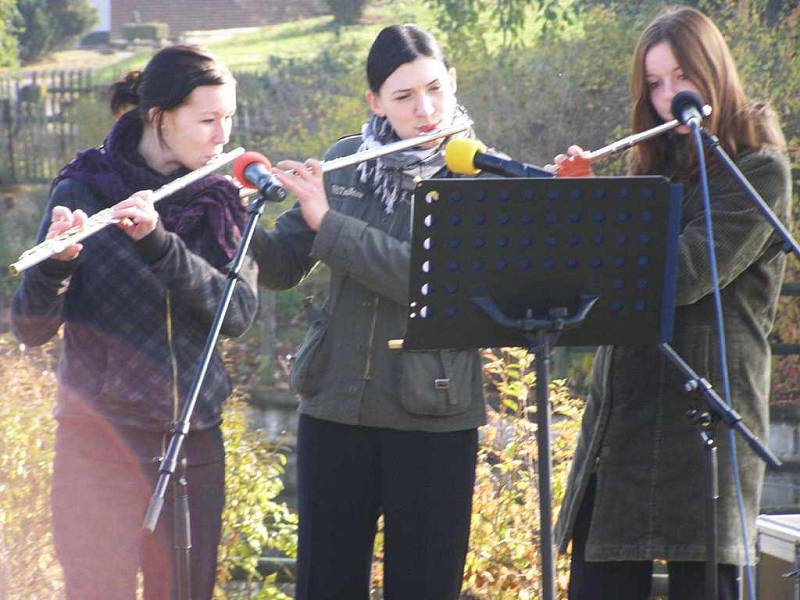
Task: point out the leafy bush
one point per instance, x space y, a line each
483 27
766 54
346 12
27 439
150 32
47 26
503 558
253 520
503 561
554 94
92 114
21 210
10 19
298 108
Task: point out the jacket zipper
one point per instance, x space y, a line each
368 365
174 365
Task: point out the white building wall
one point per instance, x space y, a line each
103 13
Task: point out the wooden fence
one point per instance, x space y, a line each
46 118
37 134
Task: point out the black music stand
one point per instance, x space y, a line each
543 262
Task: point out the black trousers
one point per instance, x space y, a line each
631 580
422 484
101 487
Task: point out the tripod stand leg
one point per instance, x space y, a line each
711 497
545 466
182 534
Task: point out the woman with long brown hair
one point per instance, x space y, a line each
635 492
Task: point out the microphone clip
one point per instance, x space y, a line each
253 170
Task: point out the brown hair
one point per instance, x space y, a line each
706 61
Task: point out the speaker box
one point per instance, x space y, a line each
778 543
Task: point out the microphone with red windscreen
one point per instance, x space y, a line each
253 170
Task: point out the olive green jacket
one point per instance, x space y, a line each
635 435
344 370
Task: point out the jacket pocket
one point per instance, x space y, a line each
438 384
309 361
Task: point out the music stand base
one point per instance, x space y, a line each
542 334
542 351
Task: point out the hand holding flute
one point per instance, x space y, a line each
63 219
575 163
135 215
304 181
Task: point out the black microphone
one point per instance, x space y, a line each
252 169
469 157
687 108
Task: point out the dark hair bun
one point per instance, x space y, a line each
125 92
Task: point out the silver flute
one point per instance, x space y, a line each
353 159
634 139
103 218
364 155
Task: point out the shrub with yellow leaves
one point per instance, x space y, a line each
503 560
253 520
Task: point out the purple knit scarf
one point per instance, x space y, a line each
116 170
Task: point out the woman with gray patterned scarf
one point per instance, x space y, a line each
381 432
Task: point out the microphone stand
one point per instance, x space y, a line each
790 244
174 456
705 421
721 409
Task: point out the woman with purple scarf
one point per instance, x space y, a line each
381 432
136 302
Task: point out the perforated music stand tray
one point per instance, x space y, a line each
538 244
533 245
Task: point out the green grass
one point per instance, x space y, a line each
111 73
303 38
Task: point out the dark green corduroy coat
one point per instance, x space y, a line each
635 435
